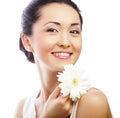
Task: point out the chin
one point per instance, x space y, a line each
60 67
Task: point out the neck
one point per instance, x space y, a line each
48 81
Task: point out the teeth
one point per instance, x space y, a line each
62 54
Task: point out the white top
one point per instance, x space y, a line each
29 108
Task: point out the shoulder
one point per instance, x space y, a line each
19 109
94 104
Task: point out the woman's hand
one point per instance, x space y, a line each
57 106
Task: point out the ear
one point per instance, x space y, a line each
26 42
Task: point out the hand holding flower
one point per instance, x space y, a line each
57 106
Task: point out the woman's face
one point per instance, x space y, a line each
56 36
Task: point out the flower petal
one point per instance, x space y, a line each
73 81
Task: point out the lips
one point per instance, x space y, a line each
62 55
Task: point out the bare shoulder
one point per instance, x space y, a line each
19 109
94 104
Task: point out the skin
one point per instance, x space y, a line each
56 40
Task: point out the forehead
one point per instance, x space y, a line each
59 12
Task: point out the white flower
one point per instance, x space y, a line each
73 82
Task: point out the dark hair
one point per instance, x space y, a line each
30 16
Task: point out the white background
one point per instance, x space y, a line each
100 55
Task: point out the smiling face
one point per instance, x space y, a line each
56 36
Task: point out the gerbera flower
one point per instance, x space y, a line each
73 82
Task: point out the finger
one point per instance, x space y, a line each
64 96
68 107
55 93
70 102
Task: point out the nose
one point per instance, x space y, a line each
64 40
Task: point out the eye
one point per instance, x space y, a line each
74 32
51 30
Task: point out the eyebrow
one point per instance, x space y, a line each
57 23
74 24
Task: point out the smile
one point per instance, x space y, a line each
62 55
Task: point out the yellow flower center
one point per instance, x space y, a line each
75 82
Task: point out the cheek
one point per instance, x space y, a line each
78 45
43 43
44 46
39 46
41 51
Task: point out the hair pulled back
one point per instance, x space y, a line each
30 15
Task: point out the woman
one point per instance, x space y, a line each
52 38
